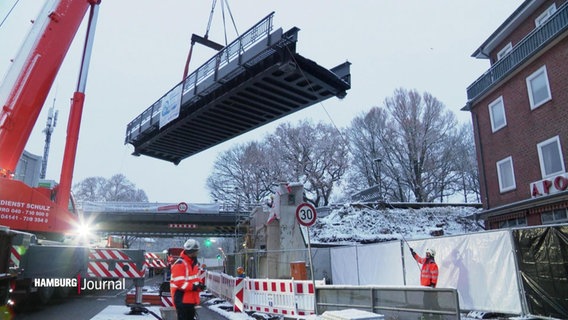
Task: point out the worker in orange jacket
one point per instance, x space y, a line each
185 283
428 278
429 272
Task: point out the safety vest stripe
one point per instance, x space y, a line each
184 278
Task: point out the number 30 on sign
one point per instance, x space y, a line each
306 214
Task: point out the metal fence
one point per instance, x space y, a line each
393 303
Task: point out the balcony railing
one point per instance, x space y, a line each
523 51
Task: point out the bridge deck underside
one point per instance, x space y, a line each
168 224
276 83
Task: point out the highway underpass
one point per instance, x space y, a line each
163 219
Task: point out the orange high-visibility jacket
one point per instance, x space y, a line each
185 272
429 272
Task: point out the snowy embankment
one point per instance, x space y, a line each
363 224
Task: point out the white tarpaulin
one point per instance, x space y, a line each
343 267
380 264
480 266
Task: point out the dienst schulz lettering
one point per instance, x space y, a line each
81 284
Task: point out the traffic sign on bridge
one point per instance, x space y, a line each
163 219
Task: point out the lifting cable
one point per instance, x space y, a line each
204 40
9 12
341 135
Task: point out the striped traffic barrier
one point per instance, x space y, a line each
14 257
283 297
112 263
238 305
153 261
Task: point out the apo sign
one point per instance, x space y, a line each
549 186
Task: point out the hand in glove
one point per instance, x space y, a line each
198 286
412 251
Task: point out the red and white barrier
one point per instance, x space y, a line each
153 261
239 293
282 297
221 285
112 263
150 296
14 257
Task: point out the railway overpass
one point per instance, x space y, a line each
163 219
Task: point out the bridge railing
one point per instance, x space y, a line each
153 207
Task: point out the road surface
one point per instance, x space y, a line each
96 305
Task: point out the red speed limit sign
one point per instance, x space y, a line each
182 207
306 214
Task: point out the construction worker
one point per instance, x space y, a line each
429 272
185 283
241 272
203 272
428 278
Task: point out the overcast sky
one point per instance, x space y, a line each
141 47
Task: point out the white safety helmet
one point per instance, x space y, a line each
191 245
432 252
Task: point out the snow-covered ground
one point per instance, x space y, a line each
352 224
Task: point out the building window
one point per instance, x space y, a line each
545 15
538 88
550 157
512 223
497 114
503 52
555 216
506 175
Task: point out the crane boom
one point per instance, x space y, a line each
22 96
27 83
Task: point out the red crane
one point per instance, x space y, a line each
22 95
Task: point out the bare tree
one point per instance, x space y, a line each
117 188
415 140
315 155
90 189
467 168
243 175
420 129
365 135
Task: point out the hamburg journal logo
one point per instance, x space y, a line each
81 284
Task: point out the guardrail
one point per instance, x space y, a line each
298 299
392 302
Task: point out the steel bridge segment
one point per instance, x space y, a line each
264 83
152 224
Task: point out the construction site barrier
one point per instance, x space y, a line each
221 285
281 297
391 302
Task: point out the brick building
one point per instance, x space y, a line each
519 110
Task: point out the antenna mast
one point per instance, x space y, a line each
50 125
